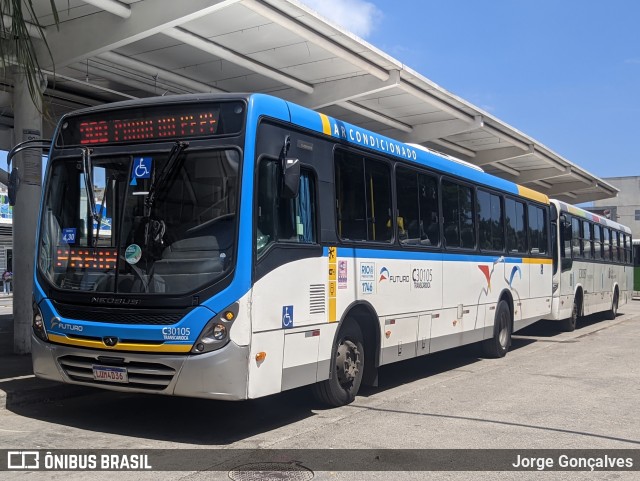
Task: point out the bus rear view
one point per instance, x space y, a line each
139 226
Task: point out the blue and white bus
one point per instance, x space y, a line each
258 246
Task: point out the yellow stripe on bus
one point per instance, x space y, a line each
533 194
326 125
122 346
537 261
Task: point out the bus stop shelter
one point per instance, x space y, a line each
109 50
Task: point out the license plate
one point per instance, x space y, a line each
110 374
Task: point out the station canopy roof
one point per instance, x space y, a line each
106 50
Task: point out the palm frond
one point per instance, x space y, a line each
17 47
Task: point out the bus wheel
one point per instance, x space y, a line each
347 366
569 324
499 344
613 312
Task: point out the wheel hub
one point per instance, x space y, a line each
347 362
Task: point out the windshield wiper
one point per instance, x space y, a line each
161 178
87 169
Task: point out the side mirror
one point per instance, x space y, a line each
290 178
566 264
14 176
564 221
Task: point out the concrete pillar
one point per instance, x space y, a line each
27 126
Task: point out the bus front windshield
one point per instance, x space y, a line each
151 223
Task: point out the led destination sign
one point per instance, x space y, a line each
153 123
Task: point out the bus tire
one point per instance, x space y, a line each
498 345
569 324
613 312
347 367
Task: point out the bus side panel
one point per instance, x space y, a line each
467 284
292 299
539 303
566 293
406 294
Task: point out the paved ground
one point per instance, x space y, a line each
564 391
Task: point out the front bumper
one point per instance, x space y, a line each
221 374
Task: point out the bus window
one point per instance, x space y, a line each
606 246
457 213
490 222
280 219
363 198
576 238
587 243
597 241
538 242
566 239
515 223
417 208
627 249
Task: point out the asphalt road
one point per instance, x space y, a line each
552 391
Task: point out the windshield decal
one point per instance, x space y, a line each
133 254
69 235
142 167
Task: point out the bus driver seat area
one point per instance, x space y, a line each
187 263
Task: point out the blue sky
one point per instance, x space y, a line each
565 72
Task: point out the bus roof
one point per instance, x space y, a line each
585 214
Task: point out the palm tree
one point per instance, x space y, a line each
16 42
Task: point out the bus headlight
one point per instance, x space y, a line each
216 333
38 323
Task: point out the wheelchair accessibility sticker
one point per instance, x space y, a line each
287 317
142 167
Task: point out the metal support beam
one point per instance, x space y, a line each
123 77
540 174
487 157
506 169
112 6
542 183
436 102
565 187
92 35
88 84
438 130
373 115
336 91
225 53
276 16
524 146
570 195
456 148
157 72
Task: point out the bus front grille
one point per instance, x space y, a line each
152 317
142 375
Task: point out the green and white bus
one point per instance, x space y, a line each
593 269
